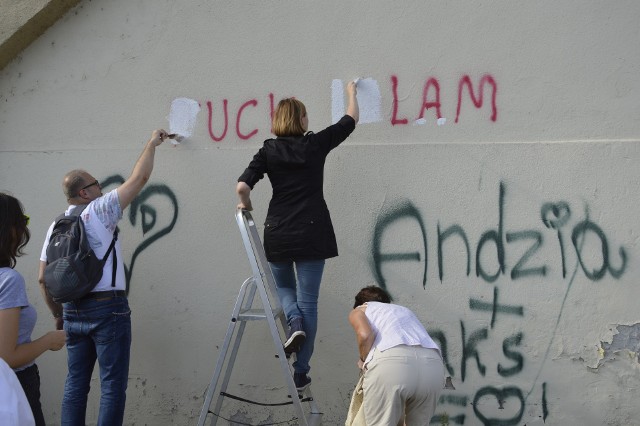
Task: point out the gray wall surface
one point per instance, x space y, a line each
492 187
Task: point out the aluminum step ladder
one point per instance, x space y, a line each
263 283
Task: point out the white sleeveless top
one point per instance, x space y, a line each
396 325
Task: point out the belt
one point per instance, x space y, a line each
110 294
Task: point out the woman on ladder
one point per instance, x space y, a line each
298 234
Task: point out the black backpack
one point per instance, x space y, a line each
73 269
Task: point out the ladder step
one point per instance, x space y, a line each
256 314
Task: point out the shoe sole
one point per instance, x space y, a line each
304 388
295 341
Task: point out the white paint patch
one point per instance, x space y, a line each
442 121
182 117
420 122
337 100
369 100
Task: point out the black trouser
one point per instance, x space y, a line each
30 381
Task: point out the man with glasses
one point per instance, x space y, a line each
98 325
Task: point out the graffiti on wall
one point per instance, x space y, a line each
228 119
143 214
553 215
486 261
431 97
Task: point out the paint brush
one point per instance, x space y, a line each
176 137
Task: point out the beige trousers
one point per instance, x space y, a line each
402 385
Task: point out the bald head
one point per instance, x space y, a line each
74 181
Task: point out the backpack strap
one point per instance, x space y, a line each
77 210
115 257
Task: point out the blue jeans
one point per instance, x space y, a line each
97 329
300 299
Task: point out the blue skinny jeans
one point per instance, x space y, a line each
299 298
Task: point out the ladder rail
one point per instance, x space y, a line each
256 254
227 375
223 352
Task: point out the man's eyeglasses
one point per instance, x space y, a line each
26 219
90 185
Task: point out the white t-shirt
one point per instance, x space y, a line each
100 220
14 407
396 325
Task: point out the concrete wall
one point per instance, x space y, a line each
23 21
510 227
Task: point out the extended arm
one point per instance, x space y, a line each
141 171
17 355
352 102
55 308
364 333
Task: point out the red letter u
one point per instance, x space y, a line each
226 120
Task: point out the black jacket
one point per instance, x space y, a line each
298 225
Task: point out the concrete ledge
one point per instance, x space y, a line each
23 21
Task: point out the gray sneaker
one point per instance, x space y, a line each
295 336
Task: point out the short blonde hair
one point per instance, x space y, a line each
287 118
